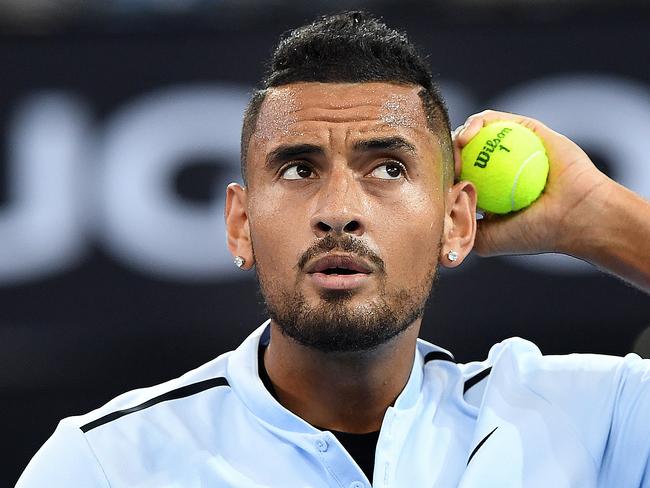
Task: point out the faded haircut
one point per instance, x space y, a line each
352 47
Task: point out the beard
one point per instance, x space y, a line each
335 323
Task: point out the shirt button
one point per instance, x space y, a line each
321 445
357 484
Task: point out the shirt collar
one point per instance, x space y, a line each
245 381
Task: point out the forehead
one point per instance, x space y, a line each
316 109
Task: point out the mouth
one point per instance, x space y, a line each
339 272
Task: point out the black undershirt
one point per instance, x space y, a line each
360 446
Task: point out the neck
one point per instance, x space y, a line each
348 391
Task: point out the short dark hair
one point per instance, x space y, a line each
351 47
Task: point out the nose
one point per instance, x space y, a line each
337 226
340 208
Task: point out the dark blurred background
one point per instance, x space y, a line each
120 128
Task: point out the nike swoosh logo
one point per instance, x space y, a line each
480 444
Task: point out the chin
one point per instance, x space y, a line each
337 296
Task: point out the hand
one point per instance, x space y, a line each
553 222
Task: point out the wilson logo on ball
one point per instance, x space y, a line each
490 146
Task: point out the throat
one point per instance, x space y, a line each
347 392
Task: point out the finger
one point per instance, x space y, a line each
469 130
463 134
496 235
559 148
456 153
486 117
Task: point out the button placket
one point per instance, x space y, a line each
336 460
388 444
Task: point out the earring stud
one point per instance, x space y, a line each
452 256
239 261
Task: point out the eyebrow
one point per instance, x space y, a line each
386 143
286 152
290 151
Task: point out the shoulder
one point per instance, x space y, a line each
591 391
152 429
591 400
210 382
189 386
174 403
571 380
523 360
84 450
518 361
66 459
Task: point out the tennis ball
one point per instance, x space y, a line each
508 165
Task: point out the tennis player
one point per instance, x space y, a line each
349 206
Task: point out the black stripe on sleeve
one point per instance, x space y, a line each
440 355
182 392
478 446
476 378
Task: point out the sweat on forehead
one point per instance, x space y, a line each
293 108
281 111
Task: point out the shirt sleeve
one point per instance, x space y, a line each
65 460
626 460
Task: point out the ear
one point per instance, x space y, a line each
237 225
460 223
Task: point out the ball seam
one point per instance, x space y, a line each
516 181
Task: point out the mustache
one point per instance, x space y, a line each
345 243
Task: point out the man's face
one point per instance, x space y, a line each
345 208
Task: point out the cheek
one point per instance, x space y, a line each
412 236
275 235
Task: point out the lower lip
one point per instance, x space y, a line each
339 282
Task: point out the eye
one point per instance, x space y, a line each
297 172
389 171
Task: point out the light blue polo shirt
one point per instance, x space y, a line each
517 419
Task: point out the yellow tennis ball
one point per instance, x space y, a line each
508 165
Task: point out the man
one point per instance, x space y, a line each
349 207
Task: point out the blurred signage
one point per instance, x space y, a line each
71 181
